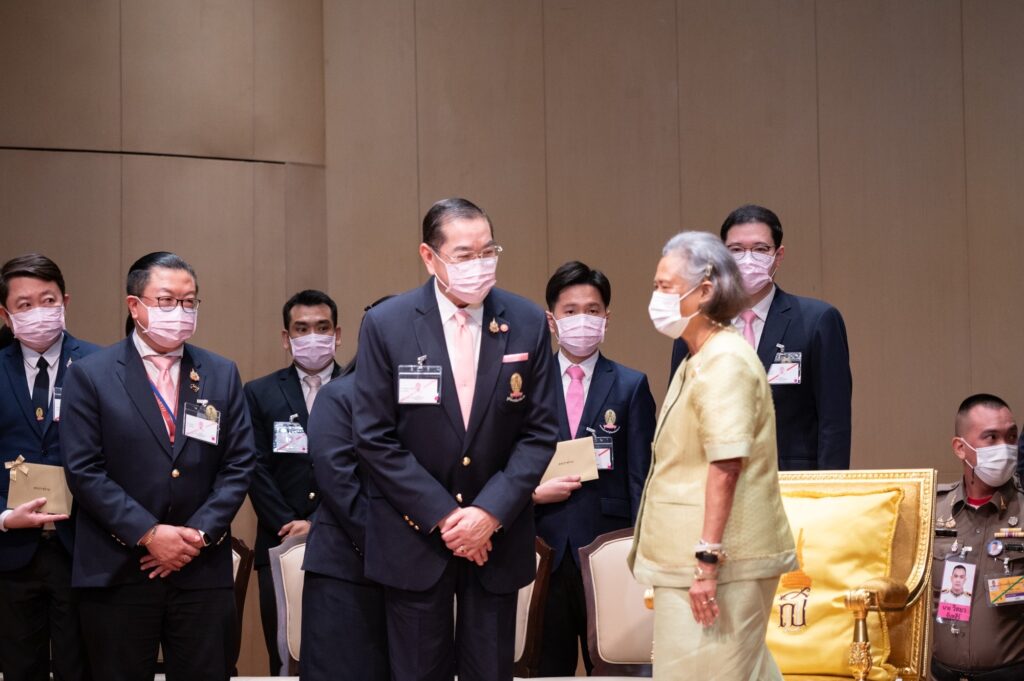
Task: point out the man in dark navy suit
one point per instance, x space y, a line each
344 632
284 492
613 404
455 420
159 453
37 608
802 344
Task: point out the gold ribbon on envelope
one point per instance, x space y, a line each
17 466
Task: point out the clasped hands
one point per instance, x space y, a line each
171 548
467 533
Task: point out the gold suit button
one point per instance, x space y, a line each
466 461
405 518
312 495
458 498
416 527
175 473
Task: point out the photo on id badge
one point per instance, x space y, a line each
957 591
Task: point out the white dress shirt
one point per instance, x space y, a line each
587 365
451 327
52 357
761 310
324 374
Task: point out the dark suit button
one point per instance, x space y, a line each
466 461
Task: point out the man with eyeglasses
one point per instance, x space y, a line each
455 420
801 342
158 452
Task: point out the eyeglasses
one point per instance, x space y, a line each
168 303
489 252
761 249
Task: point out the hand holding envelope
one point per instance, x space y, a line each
31 482
28 515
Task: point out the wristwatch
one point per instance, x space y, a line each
710 557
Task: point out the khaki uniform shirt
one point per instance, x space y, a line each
994 637
718 407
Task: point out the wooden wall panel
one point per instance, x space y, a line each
187 77
893 233
373 212
994 98
305 228
59 74
203 211
613 156
269 265
748 122
67 207
481 124
289 81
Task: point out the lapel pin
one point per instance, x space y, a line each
609 422
516 383
504 328
1012 521
40 414
493 326
194 375
211 412
68 364
194 387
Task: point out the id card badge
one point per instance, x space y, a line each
786 369
958 583
419 384
1004 586
290 438
57 394
605 452
202 422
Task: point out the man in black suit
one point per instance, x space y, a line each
613 404
284 491
37 607
159 453
454 416
344 633
802 344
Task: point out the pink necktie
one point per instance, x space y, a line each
574 398
313 385
165 386
464 370
748 317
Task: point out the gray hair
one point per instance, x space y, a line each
704 256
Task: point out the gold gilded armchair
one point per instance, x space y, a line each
864 545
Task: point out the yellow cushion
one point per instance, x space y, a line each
842 541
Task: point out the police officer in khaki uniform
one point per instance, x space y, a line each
978 523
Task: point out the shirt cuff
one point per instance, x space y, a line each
728 450
3 517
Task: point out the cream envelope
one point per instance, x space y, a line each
33 480
573 457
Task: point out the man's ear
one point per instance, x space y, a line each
959 450
285 340
552 327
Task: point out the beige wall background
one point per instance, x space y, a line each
280 144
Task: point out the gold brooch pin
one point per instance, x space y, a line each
194 375
516 383
609 422
493 326
211 412
40 414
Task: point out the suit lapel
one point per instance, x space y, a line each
14 367
136 383
600 385
774 328
492 348
430 339
292 390
186 395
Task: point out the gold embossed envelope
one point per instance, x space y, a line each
33 480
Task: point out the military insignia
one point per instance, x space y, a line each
194 375
950 523
40 414
994 548
516 383
955 547
211 413
609 422
1012 521
493 326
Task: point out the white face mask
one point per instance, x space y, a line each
757 271
996 463
472 280
313 351
40 326
664 312
170 329
580 334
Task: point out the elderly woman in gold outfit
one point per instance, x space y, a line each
712 536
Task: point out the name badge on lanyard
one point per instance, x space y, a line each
419 383
57 394
202 422
289 437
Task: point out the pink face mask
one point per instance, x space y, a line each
471 281
170 329
756 270
40 326
580 334
313 351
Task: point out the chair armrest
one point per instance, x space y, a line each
879 594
